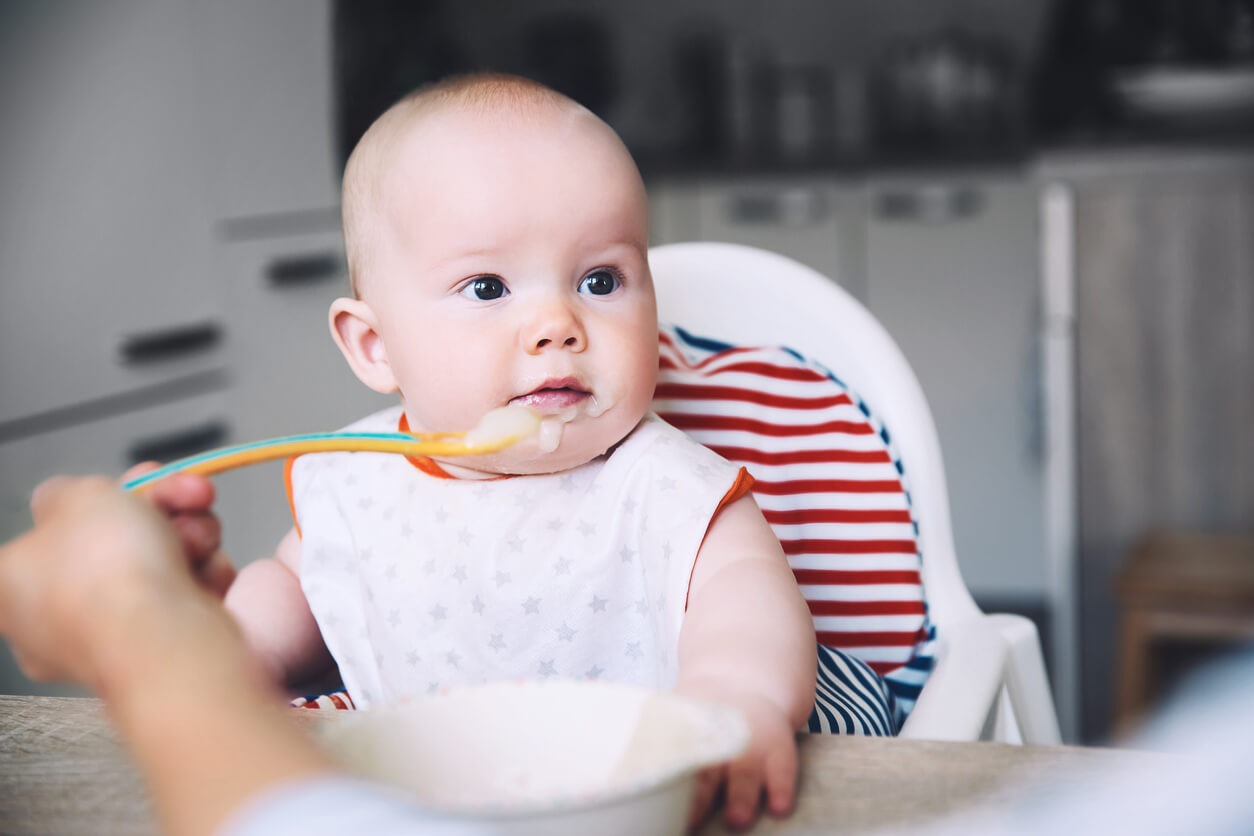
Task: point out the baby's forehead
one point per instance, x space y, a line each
441 131
455 145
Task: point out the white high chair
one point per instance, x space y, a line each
989 681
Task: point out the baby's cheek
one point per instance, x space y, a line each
449 400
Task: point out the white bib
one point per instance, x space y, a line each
419 583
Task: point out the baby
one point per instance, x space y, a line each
497 238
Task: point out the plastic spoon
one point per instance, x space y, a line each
499 429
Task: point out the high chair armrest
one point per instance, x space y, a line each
1027 684
962 690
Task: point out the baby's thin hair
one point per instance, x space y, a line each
490 92
509 95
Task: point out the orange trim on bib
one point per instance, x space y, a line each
739 489
424 463
429 465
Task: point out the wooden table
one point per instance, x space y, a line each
63 771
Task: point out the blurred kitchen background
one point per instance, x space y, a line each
1049 203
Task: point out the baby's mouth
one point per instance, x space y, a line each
553 396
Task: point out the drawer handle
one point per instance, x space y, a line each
171 343
177 445
304 269
790 207
930 204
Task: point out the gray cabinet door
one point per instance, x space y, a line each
268 90
952 274
104 235
1164 277
815 220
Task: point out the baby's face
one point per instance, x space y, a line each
513 269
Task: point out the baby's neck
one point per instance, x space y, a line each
457 471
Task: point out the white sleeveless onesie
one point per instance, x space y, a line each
419 582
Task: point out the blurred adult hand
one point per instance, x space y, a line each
104 592
97 565
187 501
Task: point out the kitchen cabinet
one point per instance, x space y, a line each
268 85
168 245
1163 280
816 220
104 259
952 274
109 445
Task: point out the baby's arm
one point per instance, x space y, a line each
748 640
270 607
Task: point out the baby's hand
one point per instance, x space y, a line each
769 764
187 501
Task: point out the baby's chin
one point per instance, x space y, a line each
559 446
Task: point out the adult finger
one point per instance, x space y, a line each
51 494
744 790
200 533
137 470
781 780
31 668
181 492
45 496
708 782
216 575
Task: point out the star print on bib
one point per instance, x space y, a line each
420 583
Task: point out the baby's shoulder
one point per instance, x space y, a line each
656 444
654 434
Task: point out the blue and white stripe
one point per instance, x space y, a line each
850 698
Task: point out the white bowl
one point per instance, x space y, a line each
546 757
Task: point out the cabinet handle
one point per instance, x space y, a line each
187 442
304 269
788 207
930 204
170 343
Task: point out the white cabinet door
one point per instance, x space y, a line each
288 375
952 275
268 70
814 220
107 447
104 235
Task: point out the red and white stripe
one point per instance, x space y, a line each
825 480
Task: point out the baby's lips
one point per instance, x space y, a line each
548 401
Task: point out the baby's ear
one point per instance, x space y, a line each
354 329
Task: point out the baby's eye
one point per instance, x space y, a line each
600 283
485 288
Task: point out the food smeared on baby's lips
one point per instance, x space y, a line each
553 396
502 427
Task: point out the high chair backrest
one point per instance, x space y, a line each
753 297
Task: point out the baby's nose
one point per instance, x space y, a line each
555 326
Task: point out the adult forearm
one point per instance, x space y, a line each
99 593
205 728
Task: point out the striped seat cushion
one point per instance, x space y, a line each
834 491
